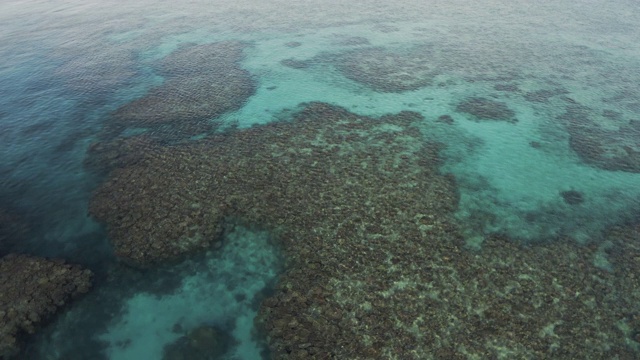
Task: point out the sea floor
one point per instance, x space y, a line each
284 180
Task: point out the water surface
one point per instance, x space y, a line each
361 180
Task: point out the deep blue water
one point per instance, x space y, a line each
541 134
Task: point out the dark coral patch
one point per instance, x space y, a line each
201 82
543 95
572 197
202 343
485 109
446 119
385 70
603 146
31 290
295 64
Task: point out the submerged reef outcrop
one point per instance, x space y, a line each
572 197
375 265
295 64
31 290
202 343
104 156
171 200
486 109
13 230
607 142
201 83
385 70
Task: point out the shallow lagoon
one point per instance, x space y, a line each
362 180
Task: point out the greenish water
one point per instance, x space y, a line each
485 157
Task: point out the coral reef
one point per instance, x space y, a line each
572 197
486 109
607 143
31 290
104 156
376 267
543 95
384 70
201 83
202 343
446 119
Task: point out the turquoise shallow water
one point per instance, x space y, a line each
536 110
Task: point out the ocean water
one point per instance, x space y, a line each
346 180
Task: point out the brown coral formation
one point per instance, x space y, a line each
624 250
172 201
155 219
572 197
295 64
376 268
31 290
486 109
201 83
544 95
388 71
610 144
202 343
103 156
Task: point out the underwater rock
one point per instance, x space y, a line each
543 95
170 201
572 197
485 109
153 220
386 70
31 290
293 44
202 343
201 82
